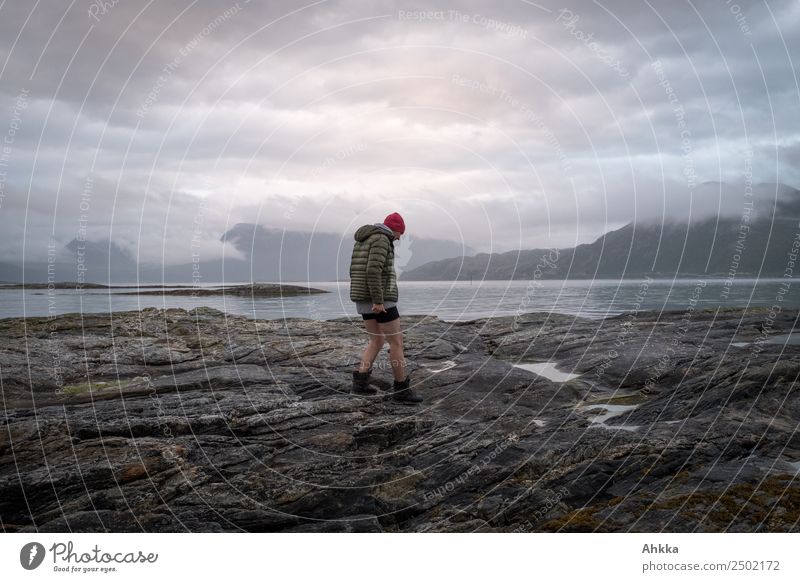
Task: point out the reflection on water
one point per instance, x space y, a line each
788 339
781 339
460 300
548 370
611 411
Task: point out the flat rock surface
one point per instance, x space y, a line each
173 420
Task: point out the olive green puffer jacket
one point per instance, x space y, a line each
372 276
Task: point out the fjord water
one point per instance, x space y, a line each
461 300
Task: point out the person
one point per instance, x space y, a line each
373 288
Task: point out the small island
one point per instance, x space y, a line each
246 290
251 290
54 285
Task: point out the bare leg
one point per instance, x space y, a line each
394 336
376 341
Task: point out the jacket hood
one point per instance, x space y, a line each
366 231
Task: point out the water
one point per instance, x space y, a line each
548 370
439 367
781 339
448 300
611 411
789 339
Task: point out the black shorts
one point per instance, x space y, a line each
384 316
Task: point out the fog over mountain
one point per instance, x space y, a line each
757 243
256 253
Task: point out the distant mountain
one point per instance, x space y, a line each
269 255
320 256
10 273
89 261
708 247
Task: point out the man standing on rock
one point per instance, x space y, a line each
373 288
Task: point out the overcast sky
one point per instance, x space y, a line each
526 125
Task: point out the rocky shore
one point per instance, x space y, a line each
174 420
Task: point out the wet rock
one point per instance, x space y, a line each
173 420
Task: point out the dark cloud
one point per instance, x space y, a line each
509 124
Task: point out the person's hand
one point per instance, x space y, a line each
378 308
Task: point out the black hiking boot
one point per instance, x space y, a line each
361 383
403 393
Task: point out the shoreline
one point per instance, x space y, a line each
68 285
411 316
173 289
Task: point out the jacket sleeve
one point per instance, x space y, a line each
378 253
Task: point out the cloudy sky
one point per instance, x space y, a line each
160 125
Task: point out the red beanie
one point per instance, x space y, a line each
395 222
